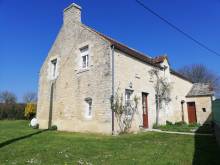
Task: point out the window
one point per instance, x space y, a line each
54 67
128 96
204 109
85 57
88 107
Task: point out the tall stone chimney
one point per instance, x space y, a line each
72 13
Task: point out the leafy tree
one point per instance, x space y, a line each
7 97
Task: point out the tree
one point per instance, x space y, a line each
30 97
7 97
30 110
162 89
199 73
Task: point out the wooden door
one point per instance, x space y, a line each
191 112
145 109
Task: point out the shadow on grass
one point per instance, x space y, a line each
207 150
3 144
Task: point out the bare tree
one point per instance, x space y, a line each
199 73
30 97
7 97
162 89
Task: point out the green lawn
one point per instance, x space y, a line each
206 128
20 144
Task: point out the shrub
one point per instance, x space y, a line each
180 123
169 123
35 127
30 110
12 111
155 126
194 125
53 127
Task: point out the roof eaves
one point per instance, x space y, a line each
179 75
132 52
207 95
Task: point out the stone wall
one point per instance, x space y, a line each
202 102
133 74
73 84
180 88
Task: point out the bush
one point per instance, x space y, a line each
155 126
179 123
30 110
169 123
53 127
12 111
194 125
35 127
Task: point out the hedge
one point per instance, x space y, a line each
12 111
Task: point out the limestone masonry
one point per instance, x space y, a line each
84 68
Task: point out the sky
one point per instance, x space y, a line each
28 29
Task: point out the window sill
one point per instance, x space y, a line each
88 117
53 78
83 70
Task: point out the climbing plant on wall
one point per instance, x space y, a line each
124 111
162 89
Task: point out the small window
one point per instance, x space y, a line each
88 107
204 109
85 57
54 67
128 96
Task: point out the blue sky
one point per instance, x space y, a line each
29 27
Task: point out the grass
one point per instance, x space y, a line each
183 127
20 144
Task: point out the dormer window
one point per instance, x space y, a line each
85 57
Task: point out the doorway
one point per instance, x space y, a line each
191 106
145 109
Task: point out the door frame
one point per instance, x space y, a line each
192 102
145 109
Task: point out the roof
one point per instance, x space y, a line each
134 53
200 89
138 55
159 59
180 75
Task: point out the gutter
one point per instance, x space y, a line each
113 86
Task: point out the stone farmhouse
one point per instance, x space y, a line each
84 68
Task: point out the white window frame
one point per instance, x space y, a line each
128 102
84 55
129 93
88 112
53 68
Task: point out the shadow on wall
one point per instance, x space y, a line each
207 151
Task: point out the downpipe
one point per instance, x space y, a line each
113 87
